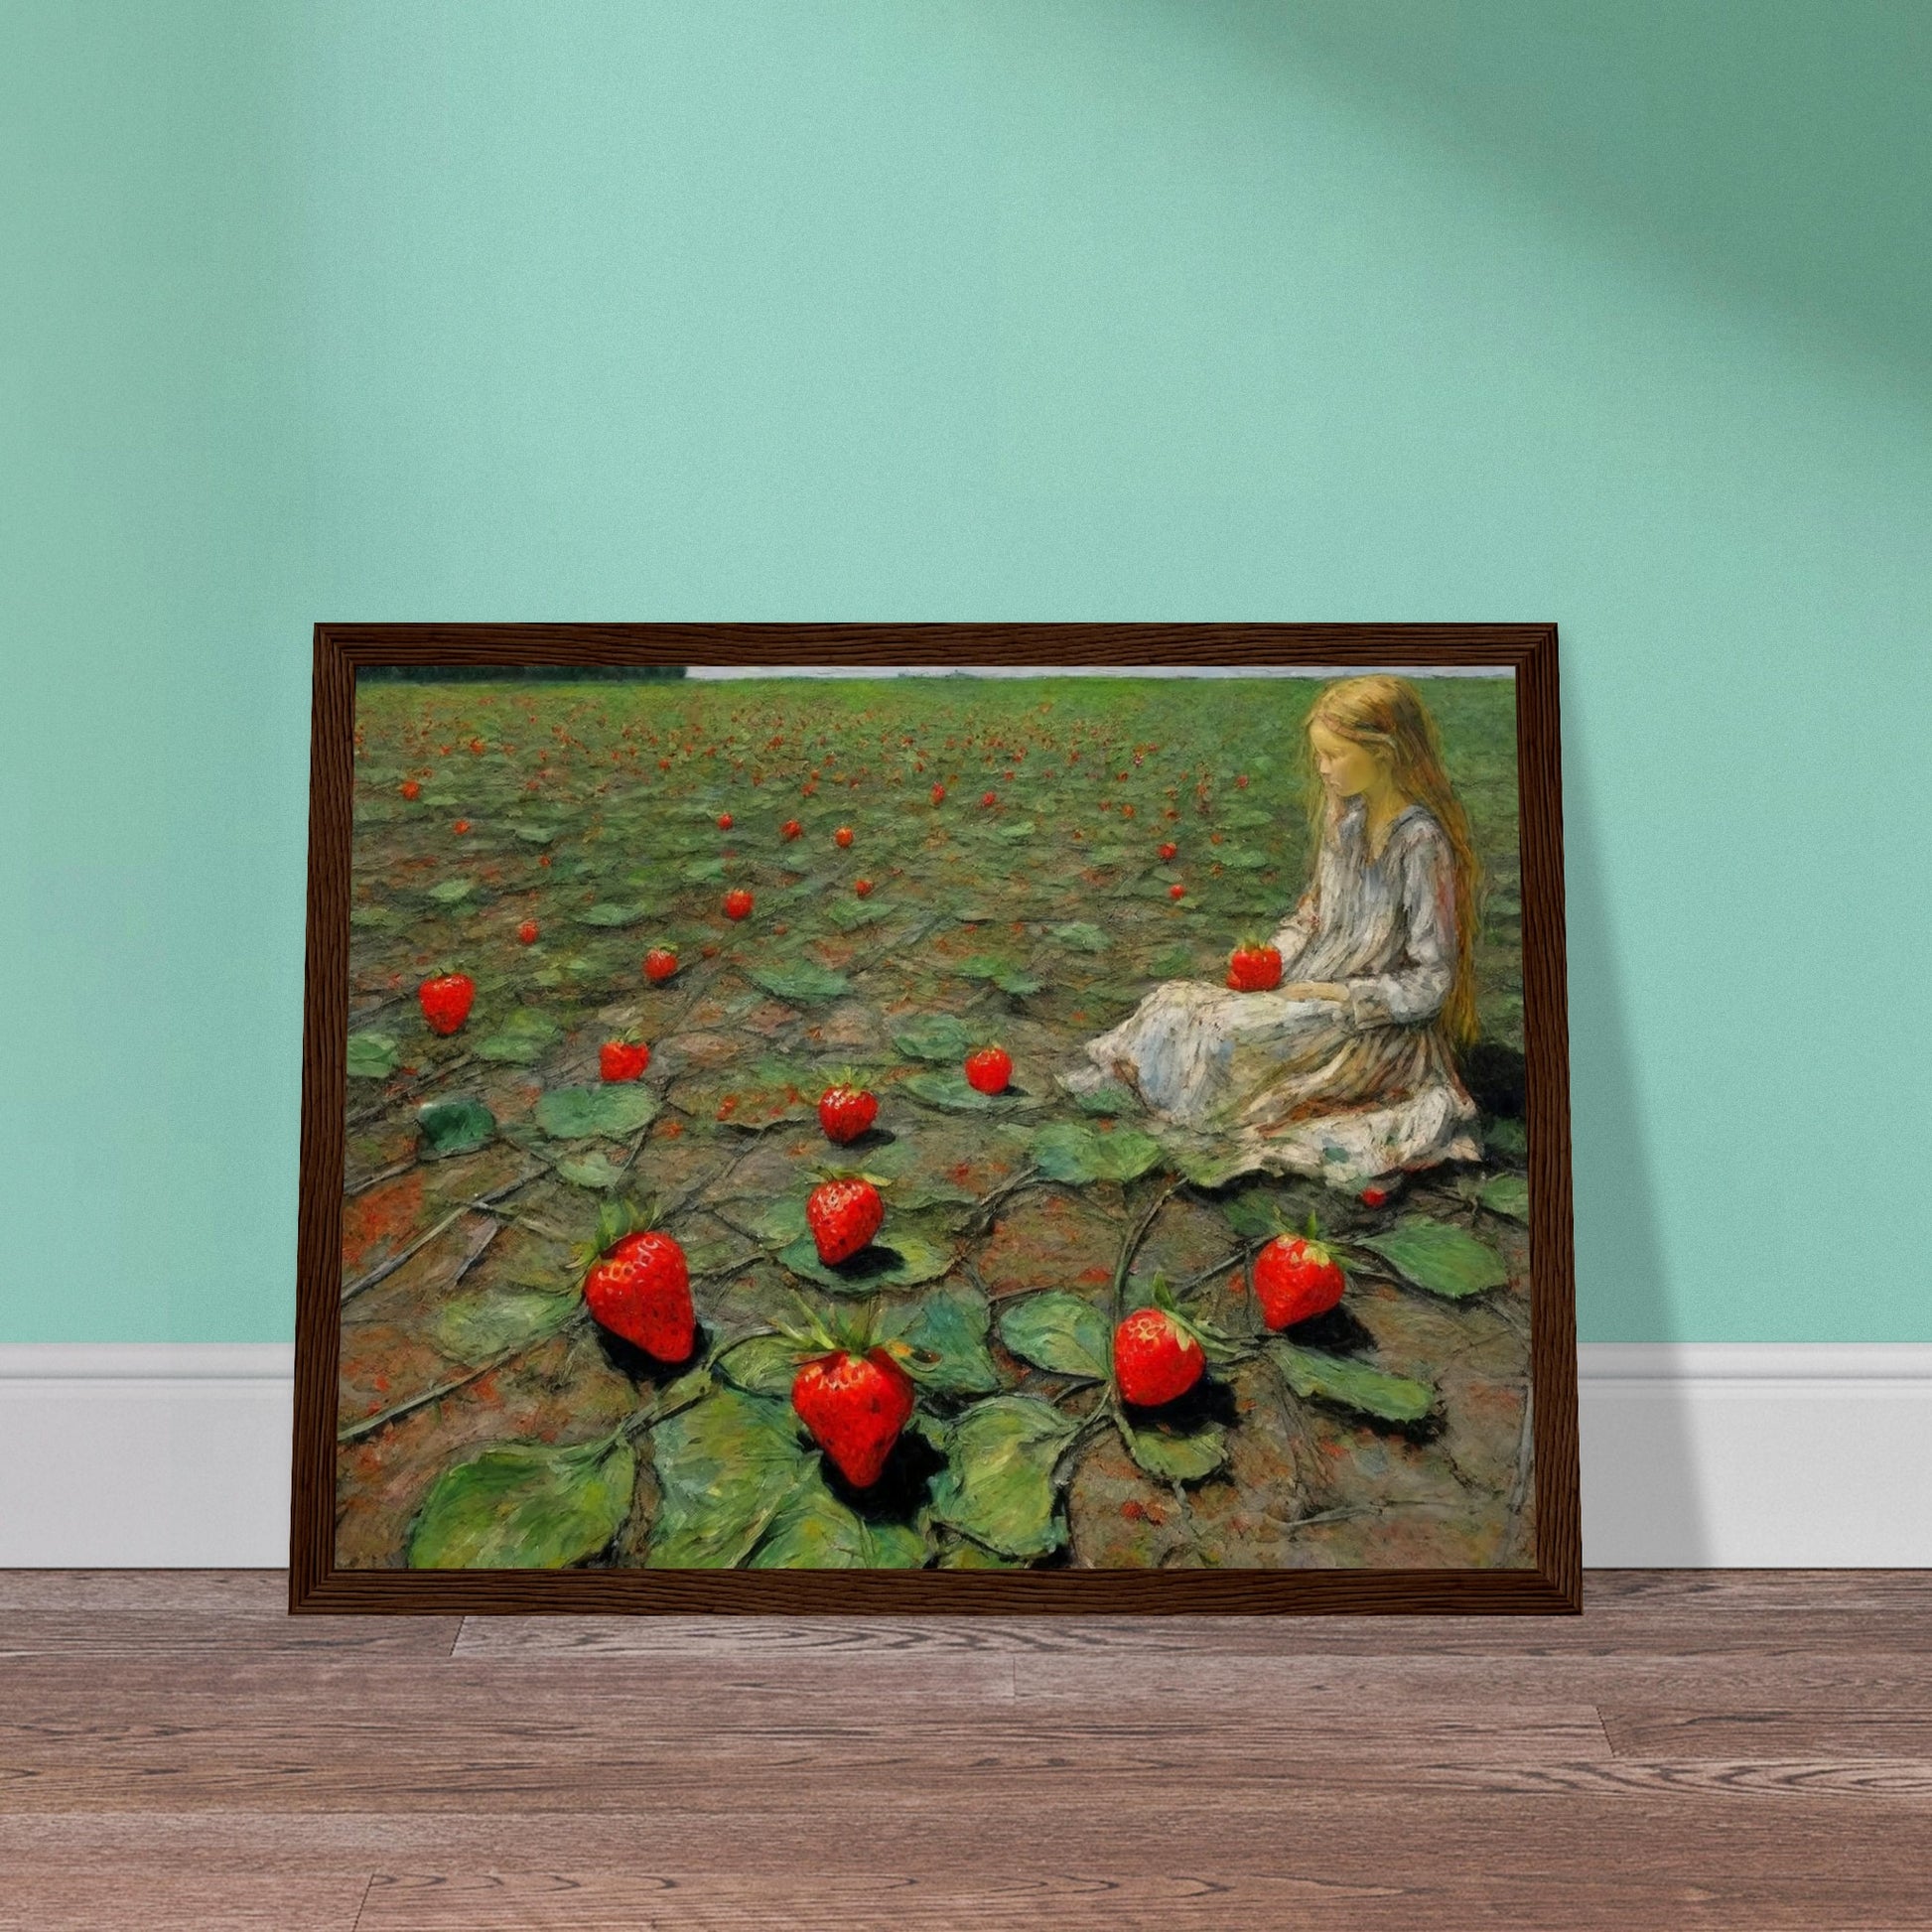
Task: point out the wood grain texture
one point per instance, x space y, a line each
1551 1587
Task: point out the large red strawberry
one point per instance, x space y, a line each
988 1069
843 836
1155 1359
640 1289
1254 968
846 1111
737 902
855 1407
445 1001
1295 1279
622 1060
842 1216
659 964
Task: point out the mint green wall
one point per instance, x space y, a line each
1613 313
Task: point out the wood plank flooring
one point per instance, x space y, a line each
1700 1750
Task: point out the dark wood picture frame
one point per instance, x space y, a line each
1554 1585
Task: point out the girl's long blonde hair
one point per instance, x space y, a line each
1387 713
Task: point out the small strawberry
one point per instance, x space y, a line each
640 1290
988 1069
845 1111
863 887
659 964
724 821
622 1060
843 1215
938 795
790 829
1254 968
737 902
1375 1197
1241 783
461 826
1177 890
989 798
855 1407
411 788
1296 1278
1170 850
445 1001
843 836
526 933
1156 1358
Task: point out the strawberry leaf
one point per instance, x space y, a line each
1076 1154
725 1468
593 1170
452 891
1507 1193
946 1331
473 1328
521 1040
1083 936
814 1529
998 1483
455 1125
1349 1384
896 1259
596 1113
1175 1455
1058 1331
803 984
524 1506
610 914
1444 1259
934 1037
372 1057
766 1364
950 1091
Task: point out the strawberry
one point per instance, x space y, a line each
526 933
790 829
989 798
445 1001
1170 850
843 1215
724 821
938 795
863 887
659 964
640 1289
988 1069
1177 890
737 902
1156 1358
855 1407
622 1060
461 826
1374 1196
1241 783
1254 968
1296 1278
843 836
411 788
846 1111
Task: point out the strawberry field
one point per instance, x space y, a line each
1003 884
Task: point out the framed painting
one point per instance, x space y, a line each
942 1118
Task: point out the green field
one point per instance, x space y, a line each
1389 1433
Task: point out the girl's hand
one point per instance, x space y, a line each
1313 990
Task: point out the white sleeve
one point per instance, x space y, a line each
1414 991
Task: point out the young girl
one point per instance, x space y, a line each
1346 1069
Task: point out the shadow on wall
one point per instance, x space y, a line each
1774 151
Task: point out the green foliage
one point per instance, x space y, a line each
452 891
951 1092
454 1126
1444 1259
524 1506
814 1529
801 984
612 914
1059 1331
934 1037
521 1040
474 1328
1078 1155
725 1468
896 1258
998 1484
1349 1384
372 1057
1172 1453
946 1333
596 1113
1507 1193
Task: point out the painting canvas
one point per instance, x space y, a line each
966 1120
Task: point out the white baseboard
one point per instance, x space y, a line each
1698 1454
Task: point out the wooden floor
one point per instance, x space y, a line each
1700 1750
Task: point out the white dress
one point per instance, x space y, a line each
1343 1089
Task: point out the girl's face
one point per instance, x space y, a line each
1345 769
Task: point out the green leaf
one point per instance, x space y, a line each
1082 934
593 1170
702 871
763 1366
801 985
452 891
1018 985
814 1529
1063 1332
998 1483
473 1328
896 1259
537 834
1076 1154
373 917
1246 860
1255 1213
521 1040
949 1090
1507 1193
613 914
1025 829
1206 1163
948 1331
1351 1384
849 914
1175 1455
934 1037
725 1468
1444 1259
777 1223
455 1125
1509 1140
596 1113
524 1506
372 1057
